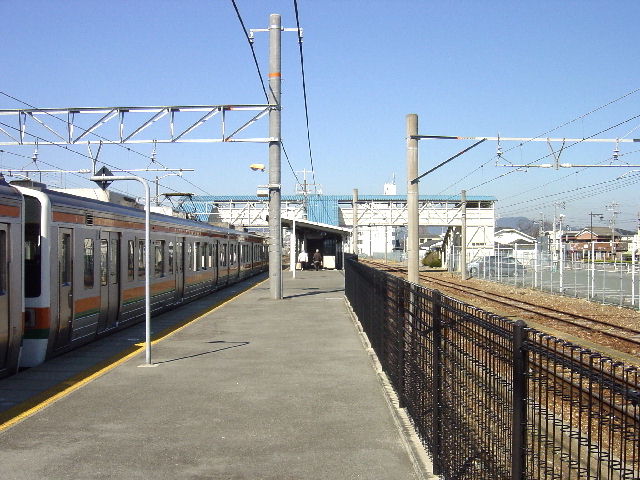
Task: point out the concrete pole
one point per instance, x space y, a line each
463 250
412 199
275 227
354 229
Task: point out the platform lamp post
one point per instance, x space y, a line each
103 178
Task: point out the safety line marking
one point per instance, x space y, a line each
29 407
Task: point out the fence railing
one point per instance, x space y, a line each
492 398
615 283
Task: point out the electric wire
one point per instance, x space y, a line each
262 82
304 89
253 52
542 135
609 186
532 163
64 147
152 159
559 179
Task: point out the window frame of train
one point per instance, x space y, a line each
170 255
32 248
159 259
88 255
131 260
223 255
4 259
141 252
210 255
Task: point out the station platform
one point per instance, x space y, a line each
252 388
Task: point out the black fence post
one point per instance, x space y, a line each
437 382
519 426
401 321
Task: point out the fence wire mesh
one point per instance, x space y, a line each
493 399
611 282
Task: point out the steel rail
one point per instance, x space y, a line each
533 308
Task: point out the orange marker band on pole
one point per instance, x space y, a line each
276 74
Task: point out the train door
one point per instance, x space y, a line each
65 286
109 280
179 269
4 294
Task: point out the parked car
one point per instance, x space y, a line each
494 265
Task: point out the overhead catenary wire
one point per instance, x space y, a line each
262 82
253 51
544 134
533 162
77 153
304 89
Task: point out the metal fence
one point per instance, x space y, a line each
614 283
493 399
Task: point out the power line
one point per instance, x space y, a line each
253 52
549 154
262 83
304 88
584 115
77 126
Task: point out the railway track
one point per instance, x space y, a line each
531 310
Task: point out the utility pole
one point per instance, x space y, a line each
354 229
412 198
613 208
463 251
275 225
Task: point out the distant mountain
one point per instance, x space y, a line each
523 224
512 222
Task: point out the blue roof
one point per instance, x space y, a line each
322 208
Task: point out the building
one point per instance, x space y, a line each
381 219
606 243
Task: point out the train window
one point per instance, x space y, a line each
131 260
223 255
4 265
210 255
114 261
190 266
104 250
65 259
88 262
159 258
196 256
32 258
170 258
141 258
203 255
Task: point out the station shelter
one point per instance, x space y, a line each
311 236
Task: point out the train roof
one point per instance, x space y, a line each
75 201
7 191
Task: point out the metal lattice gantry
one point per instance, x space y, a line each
18 126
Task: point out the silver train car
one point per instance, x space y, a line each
81 268
11 274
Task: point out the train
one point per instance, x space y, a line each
72 269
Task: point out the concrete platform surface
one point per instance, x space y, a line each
255 389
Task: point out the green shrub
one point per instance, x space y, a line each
432 259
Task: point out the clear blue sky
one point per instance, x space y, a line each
469 68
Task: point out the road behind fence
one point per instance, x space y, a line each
492 398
